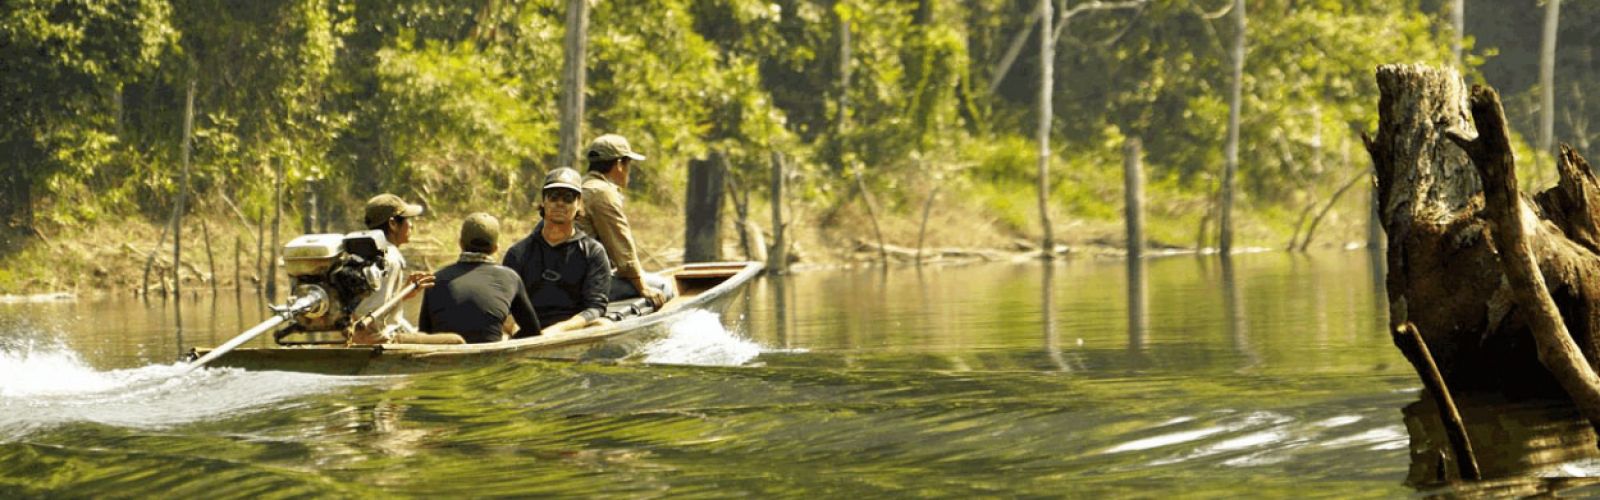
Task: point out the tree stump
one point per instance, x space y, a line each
1504 288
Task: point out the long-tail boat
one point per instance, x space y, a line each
704 286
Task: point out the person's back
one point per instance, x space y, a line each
473 297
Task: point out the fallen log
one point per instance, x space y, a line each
1502 288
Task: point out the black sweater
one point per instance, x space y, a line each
570 278
473 298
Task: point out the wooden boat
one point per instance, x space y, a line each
707 286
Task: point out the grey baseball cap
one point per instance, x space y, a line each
564 178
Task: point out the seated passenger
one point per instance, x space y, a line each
610 160
474 297
392 215
565 271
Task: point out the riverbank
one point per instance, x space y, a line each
111 257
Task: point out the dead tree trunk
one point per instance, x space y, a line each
702 238
1133 196
1500 285
778 258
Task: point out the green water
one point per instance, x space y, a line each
1268 376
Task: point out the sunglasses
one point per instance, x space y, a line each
561 195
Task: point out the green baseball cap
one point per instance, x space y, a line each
480 232
386 206
610 147
565 178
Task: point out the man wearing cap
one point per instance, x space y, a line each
610 160
565 271
392 215
473 297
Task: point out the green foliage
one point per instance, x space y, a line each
455 103
454 119
64 60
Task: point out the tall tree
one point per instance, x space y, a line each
1047 56
572 80
1230 150
1547 76
1458 25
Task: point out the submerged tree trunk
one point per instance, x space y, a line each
1500 285
702 238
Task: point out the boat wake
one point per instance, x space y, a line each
699 338
45 386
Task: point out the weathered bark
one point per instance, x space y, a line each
702 238
1503 288
1515 227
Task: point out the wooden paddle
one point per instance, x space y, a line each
350 331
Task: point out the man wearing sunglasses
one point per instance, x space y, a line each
566 271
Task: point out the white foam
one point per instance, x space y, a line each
46 386
698 338
31 371
1166 440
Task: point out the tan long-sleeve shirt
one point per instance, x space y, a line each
604 219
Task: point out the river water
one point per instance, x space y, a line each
1265 375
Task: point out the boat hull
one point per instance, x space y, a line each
710 287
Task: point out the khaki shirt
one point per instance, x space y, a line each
389 285
603 217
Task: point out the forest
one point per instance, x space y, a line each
458 105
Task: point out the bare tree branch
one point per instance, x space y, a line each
1067 14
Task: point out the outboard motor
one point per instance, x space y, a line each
343 268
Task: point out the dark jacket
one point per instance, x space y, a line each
568 279
473 297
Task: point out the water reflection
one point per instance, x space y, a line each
1235 319
1138 296
1516 442
1047 309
